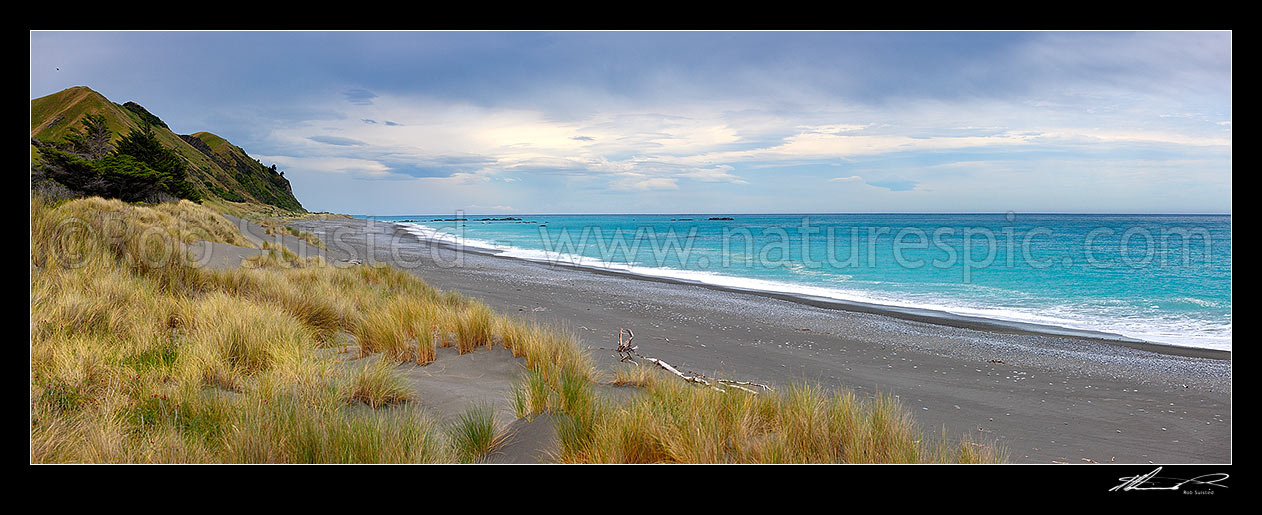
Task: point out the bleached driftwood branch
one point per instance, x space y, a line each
627 352
625 349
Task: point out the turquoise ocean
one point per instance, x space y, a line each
1157 278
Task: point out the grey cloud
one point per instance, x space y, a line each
336 140
361 97
433 166
895 185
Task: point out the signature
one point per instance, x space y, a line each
1151 481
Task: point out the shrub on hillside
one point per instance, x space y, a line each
138 169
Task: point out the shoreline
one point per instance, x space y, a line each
1047 398
927 315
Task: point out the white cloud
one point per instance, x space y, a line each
1136 136
341 165
699 138
636 148
721 173
658 183
832 129
639 182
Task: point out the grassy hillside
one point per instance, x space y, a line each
259 182
216 167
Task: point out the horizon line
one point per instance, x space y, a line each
1098 213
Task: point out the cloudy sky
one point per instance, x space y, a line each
530 122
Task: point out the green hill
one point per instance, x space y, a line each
216 168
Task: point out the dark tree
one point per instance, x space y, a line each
139 169
145 115
93 142
125 177
69 169
115 176
143 145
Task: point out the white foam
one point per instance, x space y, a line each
1180 331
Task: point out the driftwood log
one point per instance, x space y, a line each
627 352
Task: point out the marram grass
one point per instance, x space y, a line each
675 422
139 356
474 434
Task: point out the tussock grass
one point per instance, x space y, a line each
474 433
291 290
138 356
676 422
403 328
243 336
119 222
633 376
377 385
532 396
474 328
284 429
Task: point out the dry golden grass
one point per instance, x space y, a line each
377 385
184 220
677 422
474 328
403 328
138 356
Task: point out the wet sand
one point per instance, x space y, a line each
1045 397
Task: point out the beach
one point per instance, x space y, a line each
1048 398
